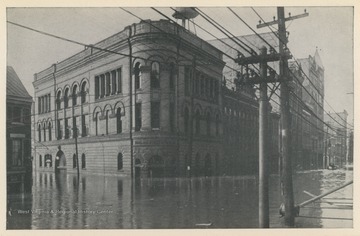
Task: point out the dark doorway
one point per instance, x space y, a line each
156 167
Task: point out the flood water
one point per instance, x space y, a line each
97 202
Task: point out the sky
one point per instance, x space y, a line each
328 29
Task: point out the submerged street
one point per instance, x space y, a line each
97 202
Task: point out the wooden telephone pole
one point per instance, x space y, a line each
286 173
262 80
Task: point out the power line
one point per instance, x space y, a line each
311 82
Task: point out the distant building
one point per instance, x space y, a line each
336 138
306 130
18 134
311 153
241 111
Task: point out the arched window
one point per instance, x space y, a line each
40 161
74 161
197 122
107 121
66 98
137 75
208 124
83 161
120 161
74 95
44 128
59 130
186 120
96 123
155 75
49 130
58 100
50 158
172 74
118 121
83 92
39 133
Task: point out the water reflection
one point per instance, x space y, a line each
60 201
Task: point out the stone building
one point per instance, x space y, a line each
312 105
132 100
18 134
306 152
336 136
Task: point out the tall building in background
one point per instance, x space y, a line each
337 138
18 134
306 110
312 105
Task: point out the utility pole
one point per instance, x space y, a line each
262 80
286 178
263 147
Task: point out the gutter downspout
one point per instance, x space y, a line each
55 105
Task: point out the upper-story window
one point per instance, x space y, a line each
137 75
66 98
39 133
102 85
155 75
49 131
155 115
74 95
17 114
138 118
83 93
58 100
108 83
118 121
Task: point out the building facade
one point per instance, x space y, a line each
312 105
146 101
306 129
18 134
337 138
